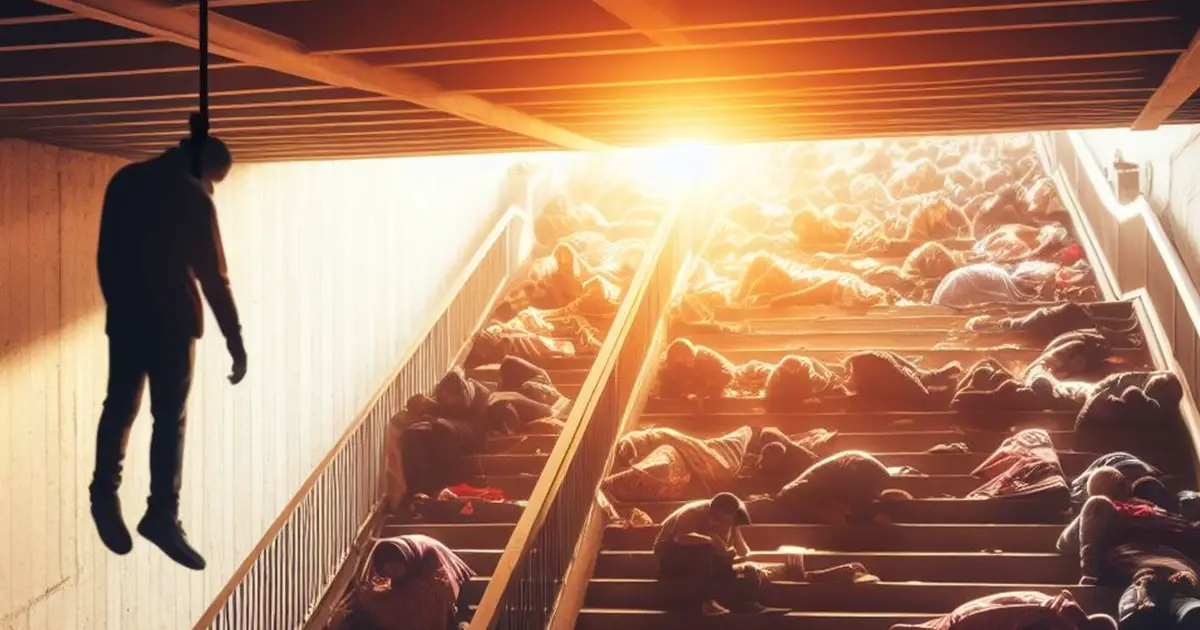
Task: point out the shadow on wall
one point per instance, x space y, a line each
49 218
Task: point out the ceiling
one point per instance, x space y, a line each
301 79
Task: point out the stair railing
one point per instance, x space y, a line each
1136 255
287 573
528 579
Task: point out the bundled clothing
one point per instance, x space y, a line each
407 582
1017 610
988 385
980 283
1024 466
1149 399
1129 466
666 465
428 441
1045 323
798 380
835 487
694 370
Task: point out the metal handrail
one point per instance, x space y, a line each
528 578
283 576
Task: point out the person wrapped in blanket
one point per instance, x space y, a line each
1117 322
407 583
437 431
842 488
1185 502
1017 610
560 218
1126 541
700 552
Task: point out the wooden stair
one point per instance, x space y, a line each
938 552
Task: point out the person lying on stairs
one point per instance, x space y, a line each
1017 610
838 489
698 549
1126 541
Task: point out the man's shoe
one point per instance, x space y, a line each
167 534
110 524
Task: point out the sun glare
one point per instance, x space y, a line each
676 168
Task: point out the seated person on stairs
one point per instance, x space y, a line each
407 583
1125 541
699 548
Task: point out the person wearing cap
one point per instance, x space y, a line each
158 238
696 548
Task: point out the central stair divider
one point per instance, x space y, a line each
529 576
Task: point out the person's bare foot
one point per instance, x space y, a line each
711 608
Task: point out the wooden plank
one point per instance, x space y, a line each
647 19
966 49
248 44
42 307
13 182
1181 83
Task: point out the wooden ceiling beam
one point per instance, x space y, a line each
248 44
966 49
647 19
52 18
1180 84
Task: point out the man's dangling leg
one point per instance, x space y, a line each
126 382
170 382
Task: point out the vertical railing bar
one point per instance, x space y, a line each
293 565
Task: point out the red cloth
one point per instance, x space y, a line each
464 491
1023 464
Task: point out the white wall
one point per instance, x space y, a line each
333 265
1172 182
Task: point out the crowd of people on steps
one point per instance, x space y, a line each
964 227
969 230
584 259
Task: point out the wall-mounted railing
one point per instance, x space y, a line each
1135 255
529 576
290 569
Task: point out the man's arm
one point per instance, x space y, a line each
739 543
208 264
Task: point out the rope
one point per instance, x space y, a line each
198 122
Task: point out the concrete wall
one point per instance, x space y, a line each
333 265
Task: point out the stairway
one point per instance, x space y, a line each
512 464
936 553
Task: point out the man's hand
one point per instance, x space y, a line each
237 351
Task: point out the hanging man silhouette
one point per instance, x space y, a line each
158 237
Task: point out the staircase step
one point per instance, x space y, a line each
930 312
927 358
1005 568
521 444
907 597
627 619
730 413
457 536
917 511
936 344
895 537
504 464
